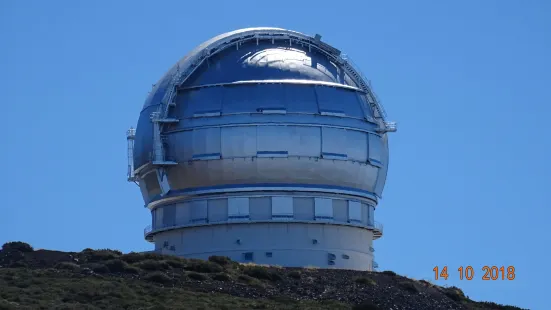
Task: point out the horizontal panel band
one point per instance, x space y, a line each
155 201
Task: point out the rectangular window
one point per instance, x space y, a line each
272 141
375 150
206 143
239 141
349 105
217 210
158 218
323 209
282 208
370 215
358 142
240 99
303 208
183 213
304 141
333 143
365 214
354 212
238 209
169 215
260 208
268 254
340 210
248 256
199 102
199 212
300 98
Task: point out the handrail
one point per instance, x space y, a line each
149 229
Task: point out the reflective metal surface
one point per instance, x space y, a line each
262 110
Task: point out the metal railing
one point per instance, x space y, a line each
378 226
149 228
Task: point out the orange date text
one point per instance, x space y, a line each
488 273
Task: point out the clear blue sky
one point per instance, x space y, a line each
468 81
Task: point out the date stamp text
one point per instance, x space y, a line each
488 273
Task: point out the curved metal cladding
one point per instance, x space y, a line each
270 151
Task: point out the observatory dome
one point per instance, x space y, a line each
260 144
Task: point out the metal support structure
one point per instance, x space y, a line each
158 145
130 136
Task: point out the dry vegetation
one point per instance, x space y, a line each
108 279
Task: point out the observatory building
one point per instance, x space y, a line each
264 145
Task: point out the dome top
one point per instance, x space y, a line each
285 56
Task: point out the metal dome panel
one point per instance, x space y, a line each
261 125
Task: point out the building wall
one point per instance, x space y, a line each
269 228
284 244
258 207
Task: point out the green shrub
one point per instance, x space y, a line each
175 262
295 274
116 265
220 260
390 273
366 305
67 266
197 276
261 273
202 266
408 286
17 246
221 277
19 264
158 277
365 281
246 279
454 293
100 255
134 257
120 266
493 305
96 267
150 264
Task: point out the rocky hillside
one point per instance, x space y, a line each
108 279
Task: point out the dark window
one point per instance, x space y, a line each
248 256
331 262
344 256
331 256
268 254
